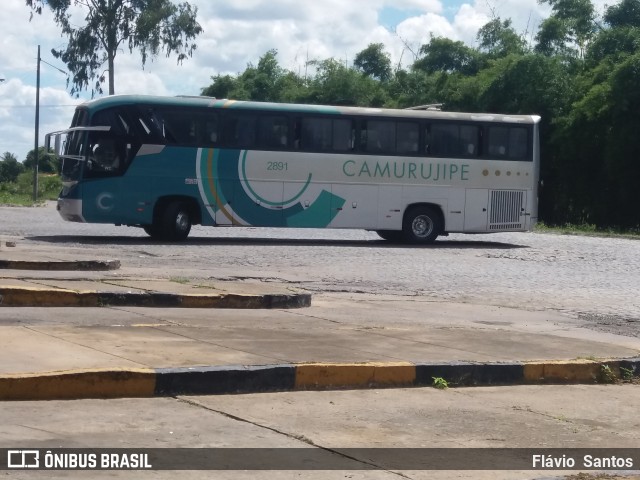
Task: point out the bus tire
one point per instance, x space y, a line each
390 235
421 225
176 222
153 231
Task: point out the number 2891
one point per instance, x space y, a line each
277 166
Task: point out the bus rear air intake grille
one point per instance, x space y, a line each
507 210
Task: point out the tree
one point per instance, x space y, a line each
260 82
572 23
150 26
336 84
222 87
624 14
10 168
445 55
48 162
499 39
374 62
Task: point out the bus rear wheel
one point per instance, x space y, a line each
390 235
421 225
176 222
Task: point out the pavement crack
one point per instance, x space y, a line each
281 360
35 330
300 438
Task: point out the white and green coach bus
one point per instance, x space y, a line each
165 164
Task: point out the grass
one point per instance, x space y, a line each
589 230
20 192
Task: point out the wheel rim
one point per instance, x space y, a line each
182 221
422 226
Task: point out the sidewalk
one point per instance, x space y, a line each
142 337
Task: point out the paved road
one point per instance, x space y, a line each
596 280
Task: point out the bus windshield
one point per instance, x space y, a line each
73 149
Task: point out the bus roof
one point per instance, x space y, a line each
194 101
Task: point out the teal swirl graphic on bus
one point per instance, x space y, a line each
218 172
263 200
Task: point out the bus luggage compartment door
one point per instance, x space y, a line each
476 210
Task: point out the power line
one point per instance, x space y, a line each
41 106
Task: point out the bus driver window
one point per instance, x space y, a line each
103 156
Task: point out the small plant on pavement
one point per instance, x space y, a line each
627 373
440 383
607 375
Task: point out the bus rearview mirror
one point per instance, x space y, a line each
57 145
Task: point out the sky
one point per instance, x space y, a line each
235 33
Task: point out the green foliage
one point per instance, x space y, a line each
374 62
626 373
624 14
499 39
607 375
48 162
20 192
445 55
10 168
440 383
150 26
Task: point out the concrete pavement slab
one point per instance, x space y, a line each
27 350
151 347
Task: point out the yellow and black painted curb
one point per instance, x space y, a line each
75 265
119 383
56 297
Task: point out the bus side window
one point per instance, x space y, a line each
469 140
343 135
316 134
408 138
211 130
498 141
380 136
273 132
105 155
240 131
427 140
518 143
445 140
297 133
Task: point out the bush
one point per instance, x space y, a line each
20 192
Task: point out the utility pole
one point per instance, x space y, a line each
35 163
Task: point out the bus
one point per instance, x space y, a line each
167 163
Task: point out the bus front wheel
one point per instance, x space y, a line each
176 222
153 231
422 224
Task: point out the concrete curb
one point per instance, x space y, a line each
117 383
81 265
47 297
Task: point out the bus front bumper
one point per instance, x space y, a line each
70 210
